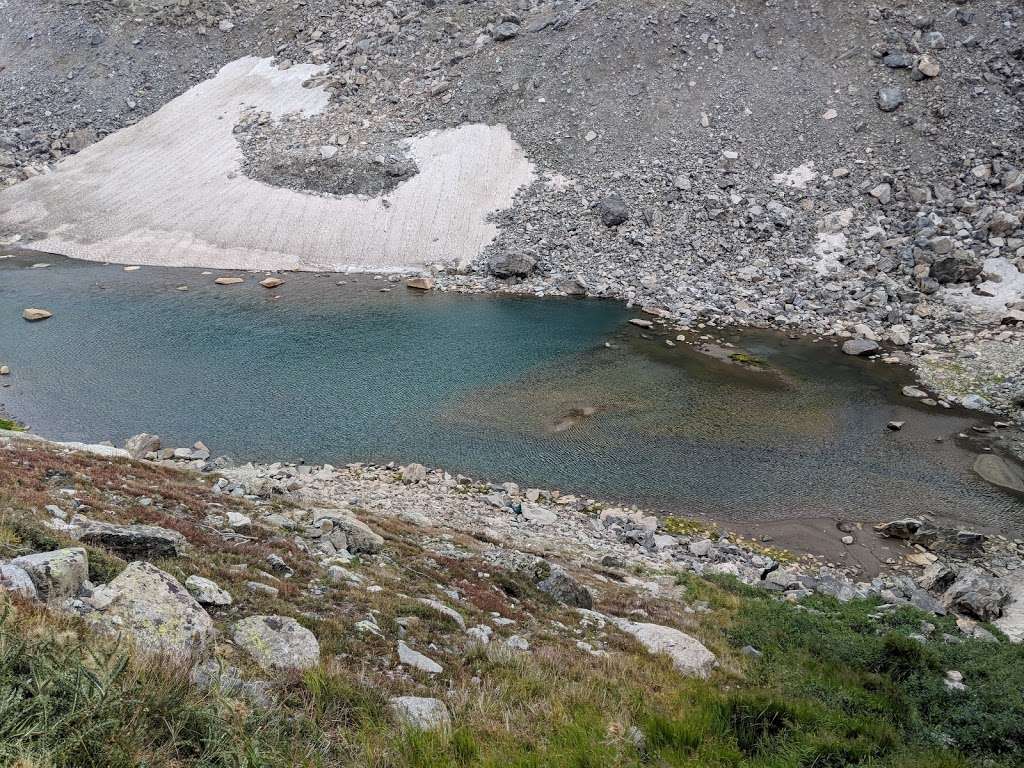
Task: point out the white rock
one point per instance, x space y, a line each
417 660
420 713
277 642
206 592
688 654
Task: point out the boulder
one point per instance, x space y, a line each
905 528
152 610
346 532
413 473
16 579
956 268
57 575
421 714
507 265
612 210
410 658
890 99
277 642
207 592
688 654
420 283
142 444
937 577
976 594
133 542
858 347
229 280
271 282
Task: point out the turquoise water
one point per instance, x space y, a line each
492 387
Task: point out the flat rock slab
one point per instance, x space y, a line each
133 542
688 654
419 713
169 191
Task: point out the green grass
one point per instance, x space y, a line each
11 425
836 687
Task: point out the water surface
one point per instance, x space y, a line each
498 388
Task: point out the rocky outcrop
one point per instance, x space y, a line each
277 642
142 542
153 611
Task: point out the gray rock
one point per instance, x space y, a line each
413 473
346 532
858 347
937 577
688 654
976 594
514 264
444 610
410 658
955 268
57 575
15 579
565 589
890 99
207 592
141 444
612 210
422 714
277 642
152 610
507 30
133 542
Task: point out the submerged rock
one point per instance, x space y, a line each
277 642
34 314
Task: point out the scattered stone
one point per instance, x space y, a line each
613 211
506 265
895 426
229 280
133 542
420 283
347 532
688 655
410 658
422 714
272 282
890 99
507 30
277 642
34 314
564 588
860 347
57 575
15 579
142 444
207 592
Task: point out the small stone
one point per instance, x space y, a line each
613 211
410 658
895 426
420 283
890 99
421 714
641 323
847 540
860 347
271 282
34 314
229 280
929 66
507 30
207 592
142 444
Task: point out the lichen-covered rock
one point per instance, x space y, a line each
277 642
688 654
152 610
976 594
207 592
57 575
346 532
420 713
133 542
142 444
16 580
564 588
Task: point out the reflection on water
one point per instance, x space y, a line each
499 388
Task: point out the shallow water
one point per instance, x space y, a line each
492 387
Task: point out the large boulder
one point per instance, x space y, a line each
421 714
688 654
153 611
346 532
133 542
505 265
976 594
612 210
956 268
564 588
57 575
277 642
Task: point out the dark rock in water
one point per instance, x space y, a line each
977 594
955 269
999 471
133 542
612 210
858 347
512 265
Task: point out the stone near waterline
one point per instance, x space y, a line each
860 347
16 580
421 714
132 542
271 282
420 283
277 642
688 655
57 575
641 323
999 471
905 528
914 392
5 370
895 426
142 444
413 473
152 610
976 594
538 515
410 658
229 280
206 591
507 265
35 314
